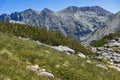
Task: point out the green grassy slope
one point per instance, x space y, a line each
16 54
42 35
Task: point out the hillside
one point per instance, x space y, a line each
73 21
16 54
42 35
111 26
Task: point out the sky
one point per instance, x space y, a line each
9 6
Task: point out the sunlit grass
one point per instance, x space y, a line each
16 54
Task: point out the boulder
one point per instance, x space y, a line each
43 73
114 44
100 48
98 58
33 68
94 50
81 55
117 68
89 62
117 39
116 54
106 55
24 39
102 66
116 59
64 49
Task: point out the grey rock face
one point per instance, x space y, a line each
65 49
4 17
73 21
111 26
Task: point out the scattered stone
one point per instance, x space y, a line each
57 66
81 55
47 51
98 58
87 57
114 44
33 68
116 59
37 42
117 39
102 66
64 49
89 62
24 39
113 40
66 63
100 48
117 68
41 72
106 55
94 50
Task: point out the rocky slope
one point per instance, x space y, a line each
22 59
110 52
73 21
111 26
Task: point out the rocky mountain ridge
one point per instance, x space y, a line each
73 21
110 26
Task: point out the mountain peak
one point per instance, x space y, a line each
32 11
29 9
46 10
89 8
72 9
97 9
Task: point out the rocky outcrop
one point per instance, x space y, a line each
107 52
64 49
61 48
114 43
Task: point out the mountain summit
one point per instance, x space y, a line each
73 21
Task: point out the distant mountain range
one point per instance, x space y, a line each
73 21
111 26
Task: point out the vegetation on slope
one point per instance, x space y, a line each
16 54
105 39
42 35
